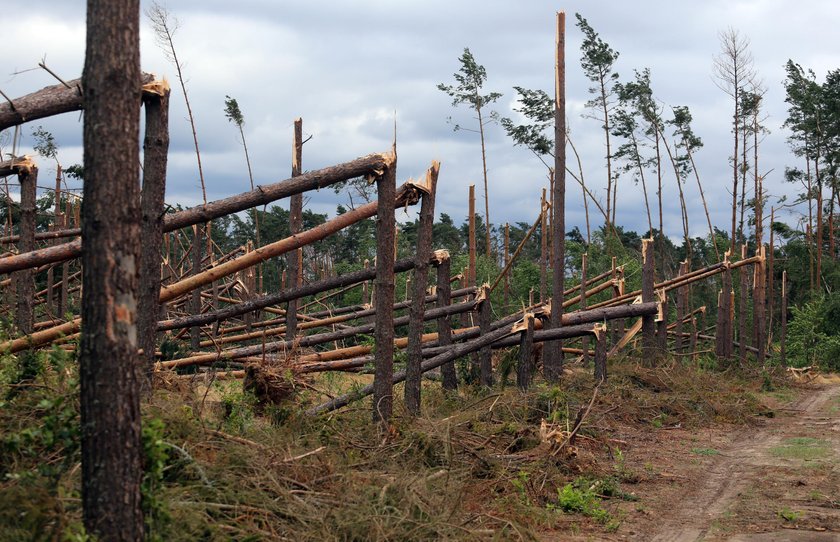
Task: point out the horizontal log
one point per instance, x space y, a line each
47 102
305 342
452 354
262 195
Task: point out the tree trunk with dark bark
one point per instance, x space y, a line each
25 279
648 295
553 352
444 324
293 260
112 465
418 295
485 359
383 388
526 347
155 152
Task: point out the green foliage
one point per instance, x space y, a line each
155 459
470 79
578 498
814 333
45 143
232 112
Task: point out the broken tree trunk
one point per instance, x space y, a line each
47 102
759 307
25 280
682 306
418 296
293 259
526 346
600 332
585 340
195 270
444 323
648 324
543 250
383 388
485 359
783 316
743 295
262 195
155 152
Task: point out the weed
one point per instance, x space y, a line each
571 499
788 514
802 448
705 451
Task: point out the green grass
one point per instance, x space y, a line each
801 448
705 451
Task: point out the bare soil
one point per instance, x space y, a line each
778 480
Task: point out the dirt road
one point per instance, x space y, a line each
776 482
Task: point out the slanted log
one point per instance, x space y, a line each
262 195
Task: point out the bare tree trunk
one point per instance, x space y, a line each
155 151
681 310
648 295
507 262
771 278
600 352
543 251
486 193
705 206
743 306
553 351
485 354
759 305
783 331
55 226
383 388
584 340
418 296
295 225
195 270
526 347
25 280
110 407
444 324
471 271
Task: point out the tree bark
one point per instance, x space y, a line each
383 388
553 353
526 347
418 296
295 226
783 316
155 152
585 340
25 279
313 180
648 295
743 302
485 355
444 324
600 352
112 465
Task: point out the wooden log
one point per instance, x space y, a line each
155 153
308 341
682 306
451 355
406 195
262 195
543 250
585 340
27 174
47 102
418 296
293 260
45 235
600 332
444 323
743 309
648 323
471 238
524 370
783 324
759 307
485 316
383 388
553 352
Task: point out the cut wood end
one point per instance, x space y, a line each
522 325
24 164
158 87
599 329
439 256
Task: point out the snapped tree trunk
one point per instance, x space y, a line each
383 388
295 226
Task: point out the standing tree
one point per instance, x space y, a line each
234 115
597 60
112 465
734 72
470 83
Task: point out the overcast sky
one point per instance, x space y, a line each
347 68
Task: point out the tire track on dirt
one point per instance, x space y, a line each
739 465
